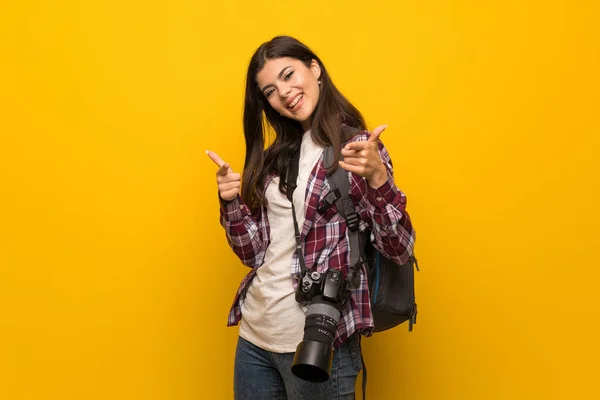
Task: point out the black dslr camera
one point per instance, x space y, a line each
330 285
325 292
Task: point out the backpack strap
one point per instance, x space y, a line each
340 194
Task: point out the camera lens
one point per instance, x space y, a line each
314 355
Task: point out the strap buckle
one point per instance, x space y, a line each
329 200
350 214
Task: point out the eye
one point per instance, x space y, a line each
268 92
289 75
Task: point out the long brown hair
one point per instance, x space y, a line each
331 111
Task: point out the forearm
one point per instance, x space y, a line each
243 231
384 211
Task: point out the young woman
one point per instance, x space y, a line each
289 92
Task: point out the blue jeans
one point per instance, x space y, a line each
263 375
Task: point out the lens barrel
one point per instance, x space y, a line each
314 355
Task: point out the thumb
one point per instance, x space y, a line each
376 133
224 169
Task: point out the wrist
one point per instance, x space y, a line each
378 178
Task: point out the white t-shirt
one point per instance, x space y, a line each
271 317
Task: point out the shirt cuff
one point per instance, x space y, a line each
233 210
385 194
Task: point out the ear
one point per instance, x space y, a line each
315 68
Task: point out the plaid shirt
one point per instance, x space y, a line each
325 237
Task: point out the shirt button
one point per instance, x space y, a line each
241 207
379 199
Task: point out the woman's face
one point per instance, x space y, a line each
291 87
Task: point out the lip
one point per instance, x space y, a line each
291 100
298 106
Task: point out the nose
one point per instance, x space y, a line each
285 91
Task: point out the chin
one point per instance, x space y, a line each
302 117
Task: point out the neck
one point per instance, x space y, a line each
306 124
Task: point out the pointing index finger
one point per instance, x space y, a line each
216 159
224 167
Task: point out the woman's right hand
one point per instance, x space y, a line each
227 181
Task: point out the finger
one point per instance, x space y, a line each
376 133
354 153
357 146
231 177
224 169
224 187
358 161
230 194
352 168
213 156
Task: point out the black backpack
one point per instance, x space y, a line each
391 285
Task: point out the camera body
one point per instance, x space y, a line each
330 285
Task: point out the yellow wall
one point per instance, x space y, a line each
115 276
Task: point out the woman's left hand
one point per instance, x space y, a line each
363 159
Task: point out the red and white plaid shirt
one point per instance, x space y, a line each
325 237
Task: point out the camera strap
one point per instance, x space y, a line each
291 181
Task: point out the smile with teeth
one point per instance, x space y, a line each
296 100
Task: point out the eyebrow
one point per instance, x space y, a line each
278 77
